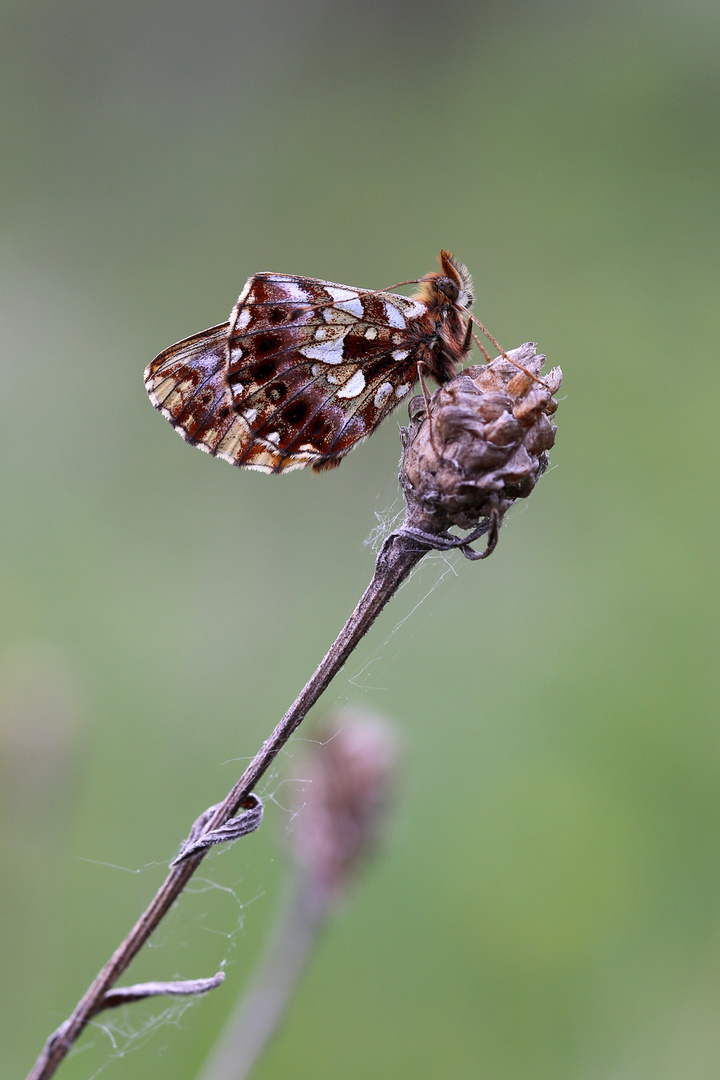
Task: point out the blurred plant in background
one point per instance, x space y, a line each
339 815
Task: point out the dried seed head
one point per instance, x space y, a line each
485 445
342 807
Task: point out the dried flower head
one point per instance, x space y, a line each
484 444
338 822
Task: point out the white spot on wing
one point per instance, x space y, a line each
394 316
402 390
243 318
346 299
415 309
320 333
250 415
261 459
383 394
371 333
273 437
293 291
353 386
400 354
330 352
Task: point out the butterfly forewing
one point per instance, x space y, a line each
303 371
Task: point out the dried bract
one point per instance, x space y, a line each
484 446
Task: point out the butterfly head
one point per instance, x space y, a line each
452 286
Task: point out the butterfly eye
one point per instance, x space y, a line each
449 288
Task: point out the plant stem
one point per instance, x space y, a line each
398 556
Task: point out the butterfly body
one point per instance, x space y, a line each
304 369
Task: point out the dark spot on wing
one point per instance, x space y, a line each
263 371
266 343
296 412
320 428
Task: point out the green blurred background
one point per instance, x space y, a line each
548 905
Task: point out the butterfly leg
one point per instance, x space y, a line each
498 346
426 396
480 345
468 340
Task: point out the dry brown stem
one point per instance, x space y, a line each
483 446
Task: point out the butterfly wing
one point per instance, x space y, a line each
303 371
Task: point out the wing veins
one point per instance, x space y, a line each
268 423
371 389
316 304
306 364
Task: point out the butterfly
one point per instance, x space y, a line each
305 369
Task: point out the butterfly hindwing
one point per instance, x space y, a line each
303 371
188 384
315 366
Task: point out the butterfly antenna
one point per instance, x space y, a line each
502 352
410 281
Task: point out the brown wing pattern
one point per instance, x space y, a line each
303 371
187 383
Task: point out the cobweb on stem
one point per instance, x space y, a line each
387 521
